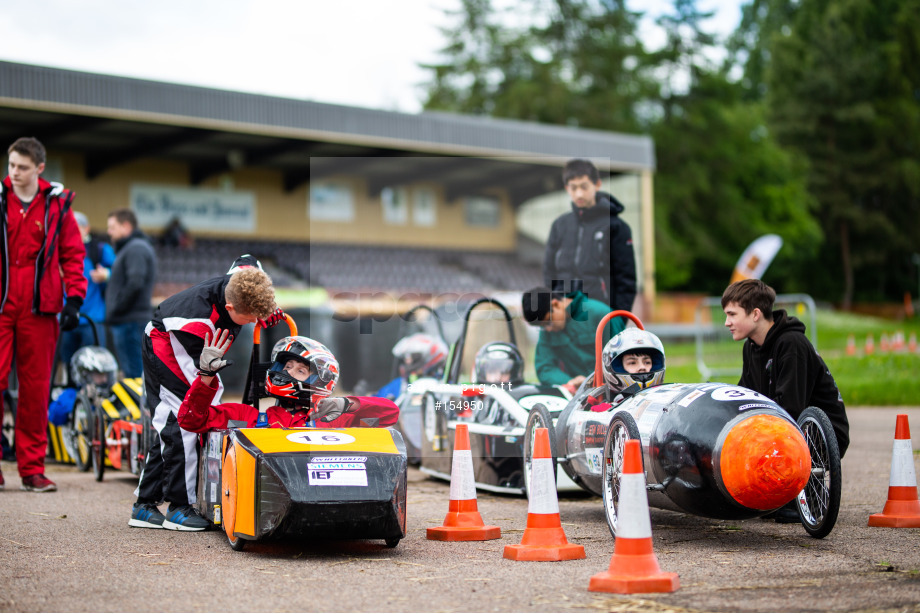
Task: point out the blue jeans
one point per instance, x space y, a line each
73 340
127 339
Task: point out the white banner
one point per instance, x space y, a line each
196 208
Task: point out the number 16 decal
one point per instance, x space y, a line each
321 438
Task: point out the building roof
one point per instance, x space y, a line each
115 119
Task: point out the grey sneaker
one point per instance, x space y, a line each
185 518
146 516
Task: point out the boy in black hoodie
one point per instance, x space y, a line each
781 363
779 360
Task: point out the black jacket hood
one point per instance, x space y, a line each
604 204
782 322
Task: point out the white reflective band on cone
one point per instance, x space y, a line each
632 511
542 488
902 464
462 484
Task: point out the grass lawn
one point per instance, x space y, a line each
882 378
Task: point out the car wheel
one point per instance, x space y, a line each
81 433
819 501
99 445
622 428
538 418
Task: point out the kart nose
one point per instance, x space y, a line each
764 462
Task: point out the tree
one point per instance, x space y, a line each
722 182
842 88
569 62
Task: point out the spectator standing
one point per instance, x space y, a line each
41 262
97 267
130 289
590 248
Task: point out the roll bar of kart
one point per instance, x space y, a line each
434 316
457 354
249 395
599 341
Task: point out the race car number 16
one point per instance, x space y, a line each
321 438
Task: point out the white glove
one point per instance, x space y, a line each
212 355
328 409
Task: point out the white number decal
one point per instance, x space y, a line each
736 393
321 438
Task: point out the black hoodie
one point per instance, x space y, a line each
593 248
789 370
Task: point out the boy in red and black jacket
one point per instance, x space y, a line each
41 264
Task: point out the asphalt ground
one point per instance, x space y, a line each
73 551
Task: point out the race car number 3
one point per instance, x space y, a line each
321 438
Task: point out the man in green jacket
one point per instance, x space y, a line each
565 349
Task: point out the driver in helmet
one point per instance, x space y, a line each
420 355
417 356
302 376
633 359
498 363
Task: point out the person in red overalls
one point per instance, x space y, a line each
41 258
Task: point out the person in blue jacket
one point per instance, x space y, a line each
97 266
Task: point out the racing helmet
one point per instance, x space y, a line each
632 341
291 392
498 362
93 364
420 354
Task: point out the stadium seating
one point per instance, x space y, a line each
348 268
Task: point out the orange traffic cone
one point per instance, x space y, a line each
883 343
634 566
902 509
851 346
897 341
544 539
870 344
463 522
912 342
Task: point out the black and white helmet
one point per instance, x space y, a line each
632 341
498 362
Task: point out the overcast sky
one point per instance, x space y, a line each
353 52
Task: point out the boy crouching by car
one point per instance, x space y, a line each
302 376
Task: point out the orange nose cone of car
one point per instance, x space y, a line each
764 462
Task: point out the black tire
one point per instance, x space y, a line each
236 543
622 427
539 417
99 446
81 433
392 542
819 502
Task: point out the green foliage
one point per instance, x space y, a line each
843 92
817 141
715 196
568 62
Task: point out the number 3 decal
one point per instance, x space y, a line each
736 393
